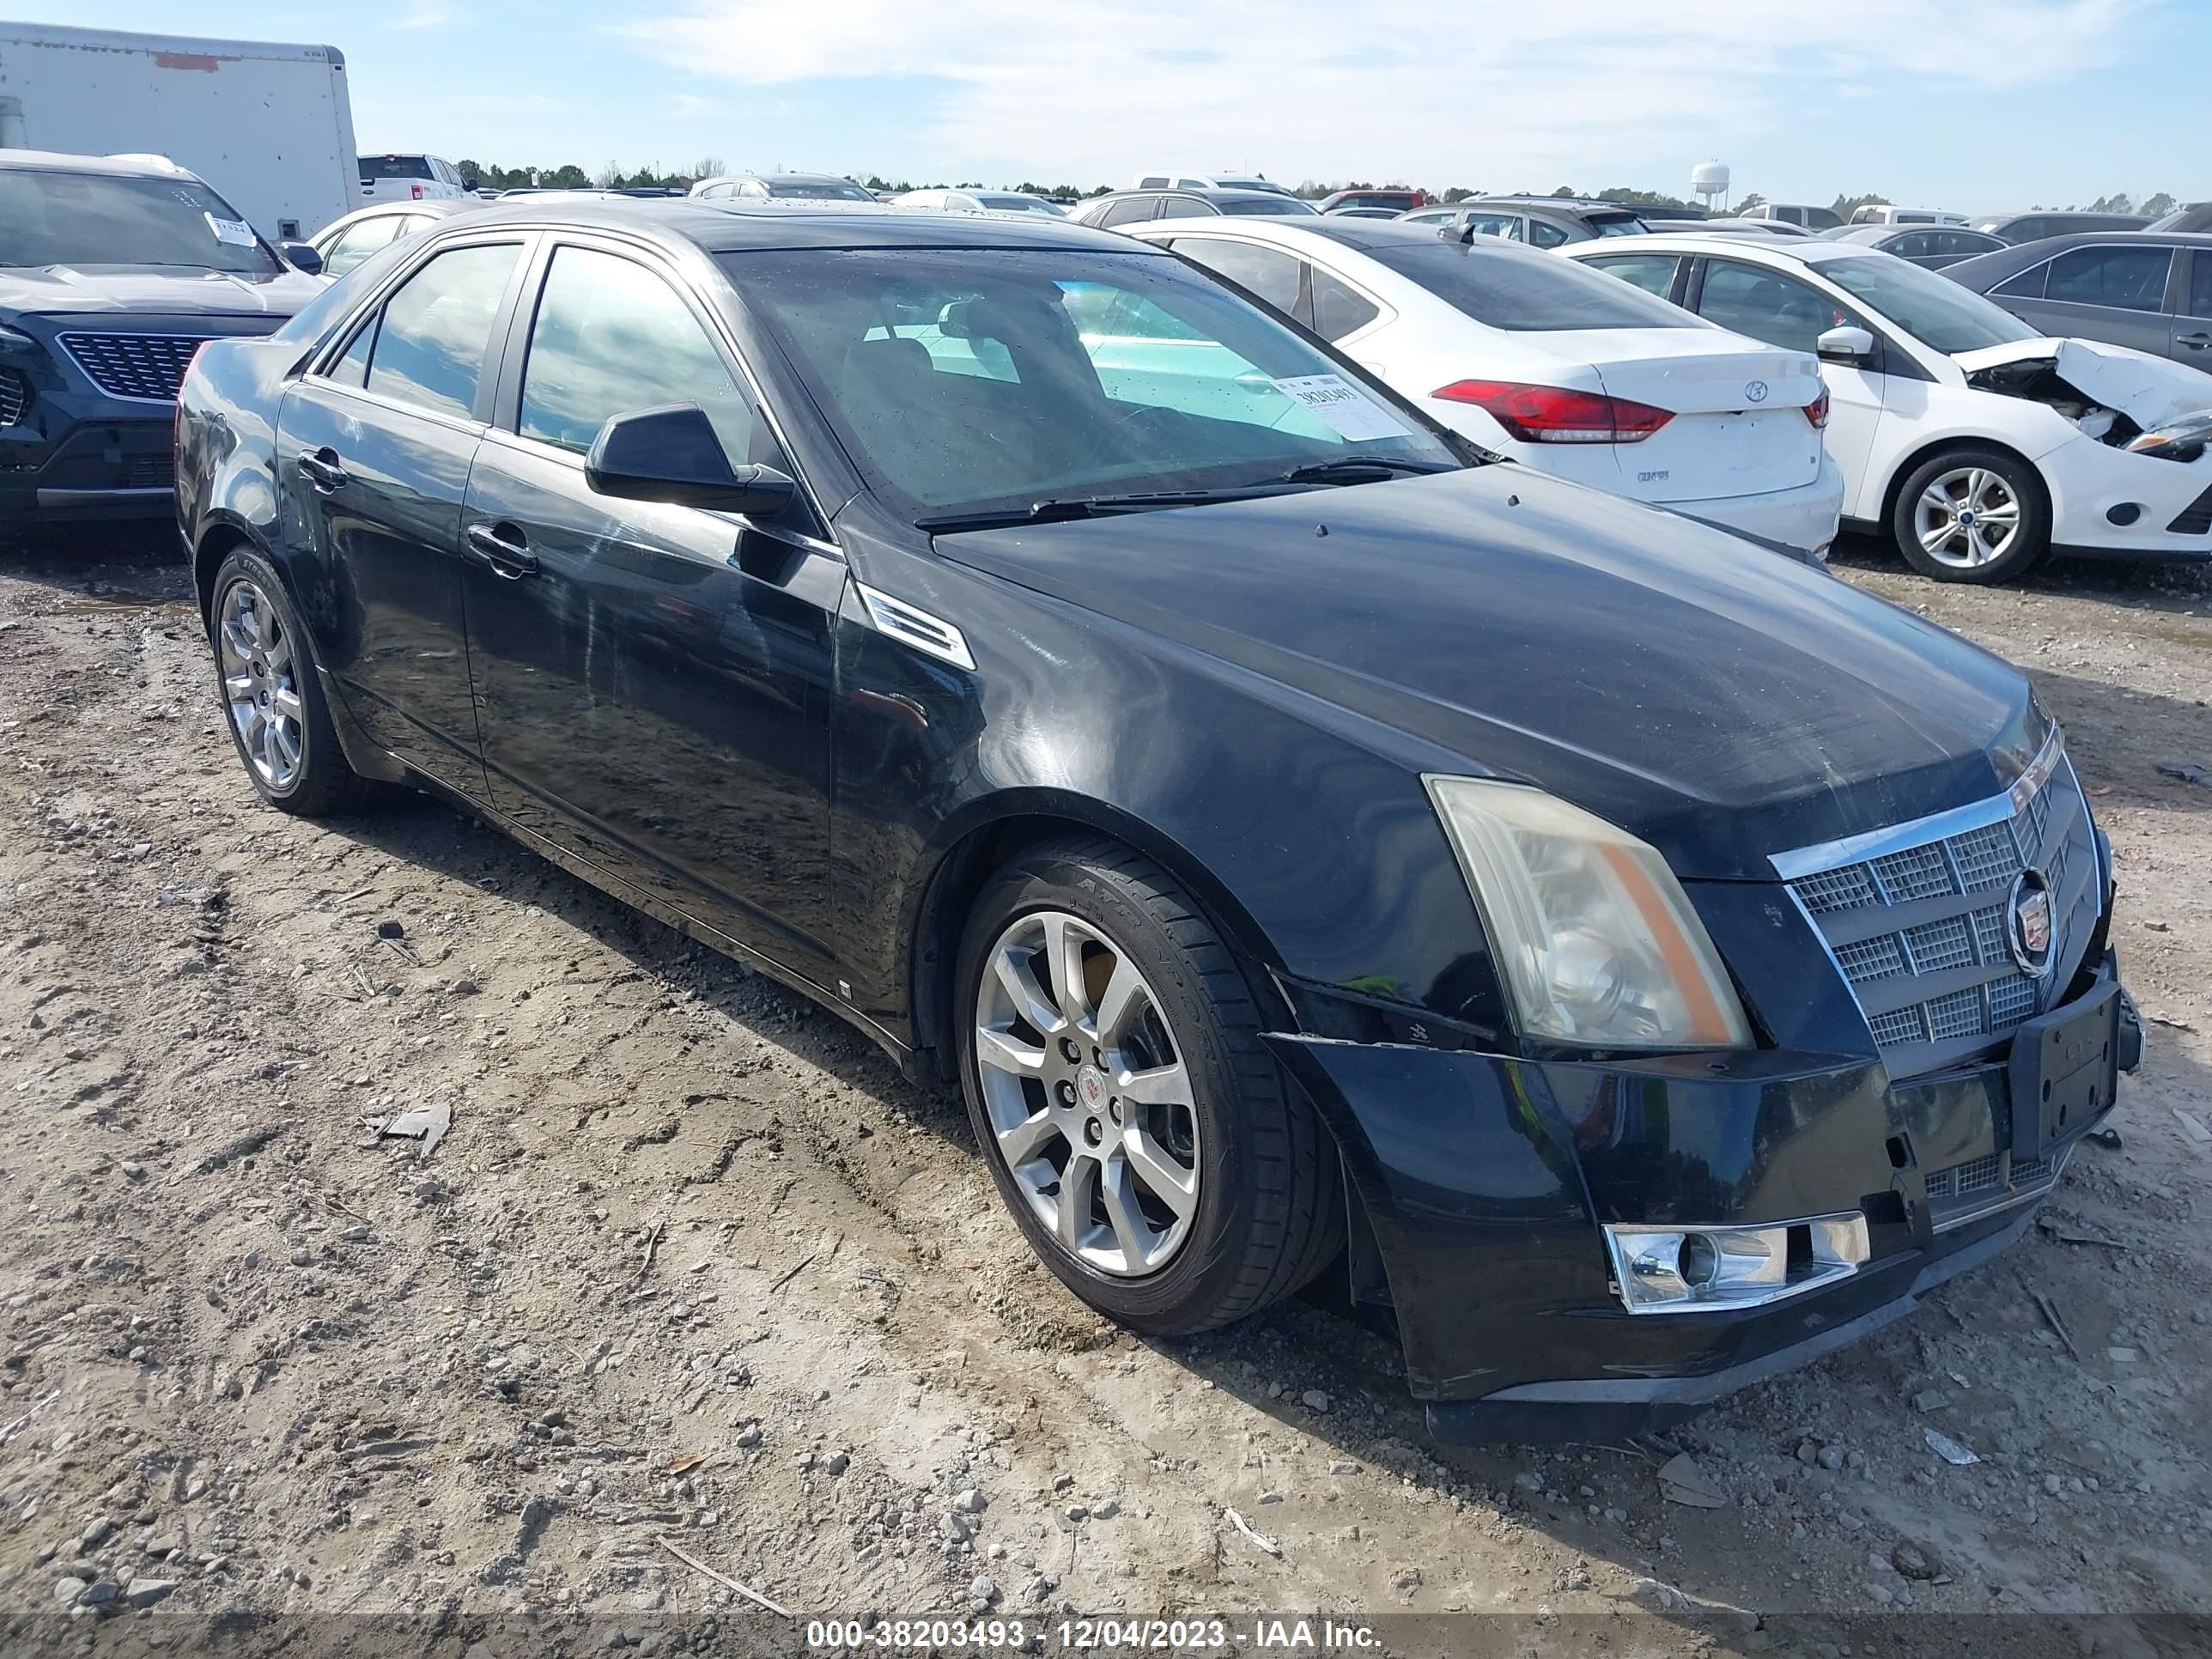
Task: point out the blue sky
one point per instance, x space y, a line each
1977 104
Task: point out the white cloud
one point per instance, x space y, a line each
426 14
1498 96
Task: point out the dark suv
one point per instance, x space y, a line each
112 273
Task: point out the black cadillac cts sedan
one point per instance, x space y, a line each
1620 961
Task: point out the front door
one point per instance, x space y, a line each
654 682
2192 329
373 455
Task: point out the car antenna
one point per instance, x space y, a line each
1463 234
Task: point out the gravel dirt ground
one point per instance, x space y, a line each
692 1264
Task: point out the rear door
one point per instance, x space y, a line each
1765 303
2192 328
655 682
373 447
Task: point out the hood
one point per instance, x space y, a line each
165 290
1722 702
2152 392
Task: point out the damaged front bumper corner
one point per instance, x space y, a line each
1486 1182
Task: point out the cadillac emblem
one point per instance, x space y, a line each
2028 925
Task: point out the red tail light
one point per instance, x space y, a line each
1817 410
415 191
1553 414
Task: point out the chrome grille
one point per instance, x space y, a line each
144 367
15 397
1908 914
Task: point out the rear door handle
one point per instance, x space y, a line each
2195 342
507 554
320 468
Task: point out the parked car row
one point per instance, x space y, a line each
1320 850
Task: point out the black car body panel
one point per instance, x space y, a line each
90 378
702 714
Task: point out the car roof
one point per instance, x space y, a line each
783 178
1362 235
120 167
1805 250
1202 195
730 227
1570 205
2002 262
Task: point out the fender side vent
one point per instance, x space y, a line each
928 635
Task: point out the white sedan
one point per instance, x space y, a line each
1975 445
1559 369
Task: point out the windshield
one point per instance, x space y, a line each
394 166
1516 287
819 192
1020 205
1273 205
1933 309
971 381
106 219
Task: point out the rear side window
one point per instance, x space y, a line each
1185 207
1268 272
1279 207
2200 285
1516 290
356 244
611 336
395 166
431 345
1652 272
1126 211
1338 309
2126 279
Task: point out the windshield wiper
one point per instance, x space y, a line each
1358 469
1086 507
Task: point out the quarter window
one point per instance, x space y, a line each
2126 279
1546 236
611 336
2027 285
431 344
1338 309
1652 272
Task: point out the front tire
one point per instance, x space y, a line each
265 675
1973 515
1133 1119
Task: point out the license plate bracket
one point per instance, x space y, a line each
2063 1070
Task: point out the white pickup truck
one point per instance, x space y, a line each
269 125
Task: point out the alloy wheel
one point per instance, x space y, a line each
1967 518
260 684
1089 1099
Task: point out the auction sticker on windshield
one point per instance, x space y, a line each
1343 406
234 233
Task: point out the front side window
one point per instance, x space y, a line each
611 336
50 218
1767 305
1652 272
1269 272
1110 374
2125 278
1504 225
435 330
1515 289
1926 305
356 244
818 191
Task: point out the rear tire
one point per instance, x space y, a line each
1972 514
272 698
1133 1119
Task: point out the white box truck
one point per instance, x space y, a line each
268 126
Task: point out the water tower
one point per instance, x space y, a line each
1709 182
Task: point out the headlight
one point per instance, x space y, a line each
1596 941
1703 1269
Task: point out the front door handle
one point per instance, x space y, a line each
2195 342
320 468
504 549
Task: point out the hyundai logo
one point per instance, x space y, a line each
1756 392
2028 922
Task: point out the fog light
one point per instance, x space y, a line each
1705 1269
2124 513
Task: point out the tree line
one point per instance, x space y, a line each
479 175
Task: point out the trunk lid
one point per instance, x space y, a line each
1739 426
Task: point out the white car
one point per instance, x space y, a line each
979 201
1975 445
1534 358
409 178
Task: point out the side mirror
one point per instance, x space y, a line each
671 454
1845 345
301 256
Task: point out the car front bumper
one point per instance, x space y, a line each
88 459
1484 1180
2110 503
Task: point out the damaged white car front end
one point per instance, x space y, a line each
2126 451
